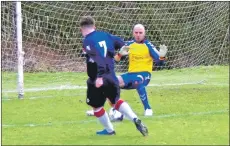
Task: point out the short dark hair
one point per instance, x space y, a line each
86 21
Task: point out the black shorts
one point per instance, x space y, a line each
96 97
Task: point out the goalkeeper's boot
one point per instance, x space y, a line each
119 119
105 132
141 127
148 112
90 113
115 116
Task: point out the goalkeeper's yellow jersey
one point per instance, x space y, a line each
141 56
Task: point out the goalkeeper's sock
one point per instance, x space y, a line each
103 117
143 96
125 109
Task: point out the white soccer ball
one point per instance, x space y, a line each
114 114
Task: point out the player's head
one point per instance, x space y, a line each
87 25
139 33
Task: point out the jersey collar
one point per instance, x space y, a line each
143 41
90 33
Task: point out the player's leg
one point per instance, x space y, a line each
144 99
114 115
125 109
113 94
121 81
91 112
137 81
96 99
143 81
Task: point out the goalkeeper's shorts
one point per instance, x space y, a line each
133 80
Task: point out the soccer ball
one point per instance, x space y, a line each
115 115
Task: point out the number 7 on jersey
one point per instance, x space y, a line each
103 44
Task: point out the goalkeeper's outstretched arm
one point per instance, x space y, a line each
158 56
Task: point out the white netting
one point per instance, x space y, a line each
196 33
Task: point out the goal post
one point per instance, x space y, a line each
18 44
195 32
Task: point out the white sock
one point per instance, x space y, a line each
127 111
105 121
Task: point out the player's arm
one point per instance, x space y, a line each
83 54
118 42
158 56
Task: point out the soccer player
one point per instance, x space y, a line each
102 82
141 54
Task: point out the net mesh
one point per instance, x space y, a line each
196 33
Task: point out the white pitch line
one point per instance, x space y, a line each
71 87
51 96
62 87
95 120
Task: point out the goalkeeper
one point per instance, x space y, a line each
141 55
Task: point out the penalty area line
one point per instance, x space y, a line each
95 120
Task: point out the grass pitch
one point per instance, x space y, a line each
191 106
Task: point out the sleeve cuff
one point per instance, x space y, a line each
162 58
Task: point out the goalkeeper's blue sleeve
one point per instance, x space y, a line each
152 50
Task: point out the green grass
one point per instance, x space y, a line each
192 114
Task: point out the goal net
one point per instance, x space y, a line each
196 33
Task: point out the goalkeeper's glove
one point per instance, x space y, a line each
162 53
163 50
123 52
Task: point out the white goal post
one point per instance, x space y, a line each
20 53
196 33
